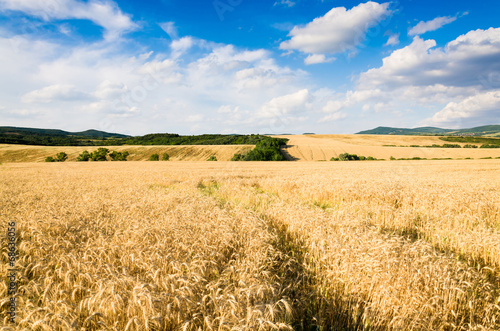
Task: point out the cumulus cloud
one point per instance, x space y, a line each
461 79
104 13
317 58
423 27
55 93
474 110
338 30
135 91
393 40
462 62
333 117
283 105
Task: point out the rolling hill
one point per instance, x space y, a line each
26 153
323 147
486 130
94 134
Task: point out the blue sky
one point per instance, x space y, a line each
240 66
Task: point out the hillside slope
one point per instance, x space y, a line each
27 153
477 131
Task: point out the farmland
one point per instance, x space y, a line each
298 148
26 153
323 147
407 245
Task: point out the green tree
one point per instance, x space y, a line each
118 156
165 157
100 154
49 159
85 156
238 157
348 157
154 157
61 157
212 158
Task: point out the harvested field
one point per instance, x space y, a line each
25 153
323 147
409 245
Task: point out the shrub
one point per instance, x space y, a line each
85 156
352 157
165 157
212 158
393 158
119 156
348 157
238 157
154 157
61 157
470 146
100 154
451 146
489 146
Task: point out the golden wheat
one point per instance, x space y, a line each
324 147
254 245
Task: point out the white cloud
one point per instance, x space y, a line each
423 27
170 29
130 89
393 40
333 117
475 110
286 3
461 63
181 46
283 105
461 79
228 109
317 58
195 118
338 30
55 93
104 13
333 106
110 90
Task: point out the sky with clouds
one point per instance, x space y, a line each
240 66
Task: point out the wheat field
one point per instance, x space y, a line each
26 153
323 147
407 245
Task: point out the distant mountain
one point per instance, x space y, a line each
89 134
432 131
50 137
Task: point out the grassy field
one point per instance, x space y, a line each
323 147
407 245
